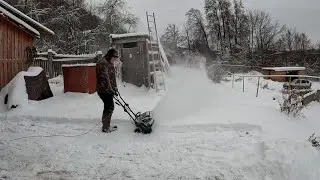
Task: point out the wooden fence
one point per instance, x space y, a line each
52 62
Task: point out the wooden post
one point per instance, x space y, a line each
99 55
258 87
50 63
242 83
232 81
289 88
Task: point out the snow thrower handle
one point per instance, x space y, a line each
125 106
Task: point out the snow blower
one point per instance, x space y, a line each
143 122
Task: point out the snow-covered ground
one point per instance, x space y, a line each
202 131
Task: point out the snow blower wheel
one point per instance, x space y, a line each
143 122
137 130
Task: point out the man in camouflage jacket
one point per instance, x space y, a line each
107 87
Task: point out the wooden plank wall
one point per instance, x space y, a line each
13 54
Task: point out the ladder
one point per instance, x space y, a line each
155 62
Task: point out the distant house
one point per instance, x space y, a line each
17 34
283 71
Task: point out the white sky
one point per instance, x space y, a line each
302 14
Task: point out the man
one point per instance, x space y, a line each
107 87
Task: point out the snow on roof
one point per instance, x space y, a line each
75 56
117 36
19 21
25 17
285 68
78 65
71 59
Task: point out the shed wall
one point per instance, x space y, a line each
279 79
13 53
135 61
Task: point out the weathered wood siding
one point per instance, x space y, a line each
13 53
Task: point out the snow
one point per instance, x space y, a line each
285 68
19 21
118 36
8 6
72 59
75 56
16 89
202 131
77 65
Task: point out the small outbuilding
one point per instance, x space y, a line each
139 57
283 71
17 34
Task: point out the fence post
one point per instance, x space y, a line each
289 88
258 87
99 55
242 83
232 81
50 63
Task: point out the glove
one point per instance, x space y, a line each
116 92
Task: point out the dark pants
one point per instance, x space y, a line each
107 110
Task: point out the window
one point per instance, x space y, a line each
130 45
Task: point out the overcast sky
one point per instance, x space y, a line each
302 14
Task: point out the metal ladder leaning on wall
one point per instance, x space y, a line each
155 61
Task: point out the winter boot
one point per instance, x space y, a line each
109 130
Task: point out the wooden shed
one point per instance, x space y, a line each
283 71
134 55
143 61
17 34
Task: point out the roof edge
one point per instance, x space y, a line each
25 18
19 22
281 69
128 35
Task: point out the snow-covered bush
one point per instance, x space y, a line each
238 79
216 73
265 85
315 141
291 103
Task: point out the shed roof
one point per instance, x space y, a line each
20 17
279 69
19 21
129 35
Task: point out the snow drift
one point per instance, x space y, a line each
16 89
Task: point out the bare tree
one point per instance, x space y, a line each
289 38
198 33
297 41
214 22
253 24
305 42
116 18
318 45
171 39
186 38
267 31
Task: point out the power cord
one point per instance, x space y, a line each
26 137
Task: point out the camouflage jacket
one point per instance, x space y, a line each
106 77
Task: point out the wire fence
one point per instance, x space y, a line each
243 73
